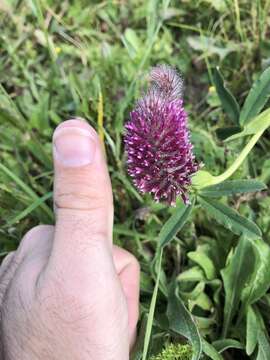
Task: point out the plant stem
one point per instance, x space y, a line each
238 162
207 179
150 319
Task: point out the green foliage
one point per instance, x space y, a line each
182 323
229 104
235 277
230 218
211 352
175 352
205 266
232 187
256 98
174 224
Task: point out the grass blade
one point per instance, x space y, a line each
30 208
27 190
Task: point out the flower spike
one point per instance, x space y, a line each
157 140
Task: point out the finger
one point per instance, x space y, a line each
5 277
82 196
31 253
37 240
128 270
6 263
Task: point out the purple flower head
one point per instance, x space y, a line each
160 158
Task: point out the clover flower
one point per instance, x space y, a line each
157 141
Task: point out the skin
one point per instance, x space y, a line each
68 292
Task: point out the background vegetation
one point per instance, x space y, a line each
60 59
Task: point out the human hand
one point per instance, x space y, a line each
67 292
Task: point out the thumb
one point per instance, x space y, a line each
82 195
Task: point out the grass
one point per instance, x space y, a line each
64 59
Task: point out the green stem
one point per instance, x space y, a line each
256 128
150 319
238 162
203 178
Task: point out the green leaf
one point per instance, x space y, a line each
181 321
194 293
206 324
202 301
232 187
259 124
174 224
133 39
216 286
224 133
192 274
205 262
230 218
261 279
131 42
235 276
224 344
264 346
210 351
252 331
229 104
209 46
257 97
